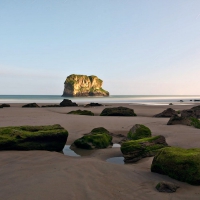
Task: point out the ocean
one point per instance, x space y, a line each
138 99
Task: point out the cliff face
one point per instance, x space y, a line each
82 85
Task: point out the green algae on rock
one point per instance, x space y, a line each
82 85
138 131
134 150
98 138
50 138
81 112
118 111
178 163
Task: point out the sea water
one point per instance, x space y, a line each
138 99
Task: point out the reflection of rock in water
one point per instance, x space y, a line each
116 160
81 152
67 151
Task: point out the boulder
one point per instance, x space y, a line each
168 187
93 104
81 112
189 121
82 85
134 150
118 111
188 113
5 105
166 113
30 105
50 138
178 163
175 119
138 131
196 111
97 139
67 102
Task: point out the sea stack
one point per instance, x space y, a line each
82 85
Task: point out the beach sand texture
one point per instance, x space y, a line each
39 175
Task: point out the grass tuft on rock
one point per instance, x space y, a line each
99 130
178 163
81 112
195 122
51 138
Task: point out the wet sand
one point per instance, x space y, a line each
52 175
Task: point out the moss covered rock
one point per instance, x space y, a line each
81 112
180 164
134 150
118 111
51 138
82 85
138 131
98 138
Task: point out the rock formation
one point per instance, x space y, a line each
164 186
166 113
82 85
30 105
134 150
180 164
118 111
50 138
67 102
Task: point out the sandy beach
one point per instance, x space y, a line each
52 175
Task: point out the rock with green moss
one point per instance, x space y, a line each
50 138
118 111
81 112
98 138
82 85
178 163
189 121
138 131
134 150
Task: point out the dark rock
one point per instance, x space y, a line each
171 104
67 102
190 100
178 163
196 100
30 105
50 138
118 111
164 186
97 139
93 104
134 150
175 119
196 111
188 113
5 105
166 113
139 131
81 112
181 101
1 106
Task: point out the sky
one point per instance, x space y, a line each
137 47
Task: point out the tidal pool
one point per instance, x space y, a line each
116 160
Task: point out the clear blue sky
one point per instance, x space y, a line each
136 46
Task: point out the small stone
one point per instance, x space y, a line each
166 187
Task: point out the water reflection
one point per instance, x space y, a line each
67 151
116 160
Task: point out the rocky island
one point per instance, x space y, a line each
82 85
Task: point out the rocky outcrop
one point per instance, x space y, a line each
180 164
175 119
93 104
168 187
67 102
81 112
134 150
193 112
50 138
30 105
98 138
82 85
5 105
166 113
139 131
118 111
